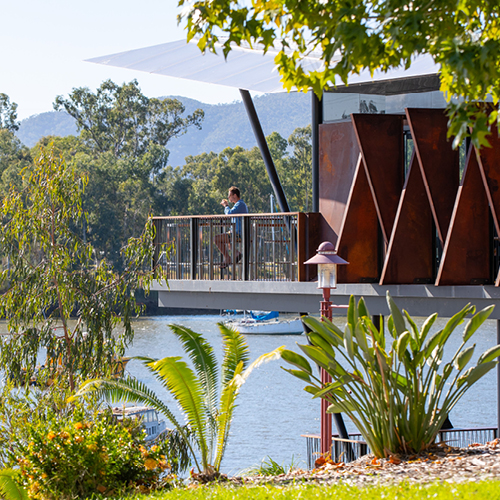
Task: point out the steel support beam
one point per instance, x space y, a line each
264 151
316 121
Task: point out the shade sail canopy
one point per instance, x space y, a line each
251 69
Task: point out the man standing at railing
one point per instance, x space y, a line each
224 240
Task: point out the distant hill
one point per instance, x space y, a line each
225 125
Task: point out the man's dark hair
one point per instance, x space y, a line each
235 190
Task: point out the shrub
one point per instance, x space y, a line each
79 458
397 394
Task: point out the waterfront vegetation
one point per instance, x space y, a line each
207 395
399 393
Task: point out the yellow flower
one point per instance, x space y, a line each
79 439
44 476
64 435
51 436
150 463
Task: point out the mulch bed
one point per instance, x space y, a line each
441 463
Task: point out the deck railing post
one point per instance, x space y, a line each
245 248
193 245
211 250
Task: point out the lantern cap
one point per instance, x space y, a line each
326 254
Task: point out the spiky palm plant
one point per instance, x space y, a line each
9 488
206 393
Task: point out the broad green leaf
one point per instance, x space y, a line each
317 340
348 342
448 368
431 344
402 344
476 321
352 314
362 309
415 336
453 322
464 357
397 317
311 390
299 374
341 407
360 334
489 355
324 328
296 359
474 374
424 331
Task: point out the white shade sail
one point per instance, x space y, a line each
245 68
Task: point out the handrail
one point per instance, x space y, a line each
262 247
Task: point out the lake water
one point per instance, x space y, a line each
273 409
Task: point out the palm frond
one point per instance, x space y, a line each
264 358
235 351
9 489
225 416
202 355
185 387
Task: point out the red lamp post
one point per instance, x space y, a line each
327 260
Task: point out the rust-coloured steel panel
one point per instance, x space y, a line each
380 139
358 238
409 256
466 254
338 154
438 162
489 164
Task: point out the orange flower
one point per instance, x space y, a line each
78 439
51 436
150 463
78 426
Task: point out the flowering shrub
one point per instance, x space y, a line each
79 458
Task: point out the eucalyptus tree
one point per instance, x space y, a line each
60 296
462 38
123 121
8 114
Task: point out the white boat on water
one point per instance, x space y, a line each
267 324
148 417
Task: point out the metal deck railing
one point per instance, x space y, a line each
264 247
346 451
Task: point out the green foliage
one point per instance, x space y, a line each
206 393
463 38
123 121
8 114
398 393
268 467
76 457
54 275
9 488
207 176
14 157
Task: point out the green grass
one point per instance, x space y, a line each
484 490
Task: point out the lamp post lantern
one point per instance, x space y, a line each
327 260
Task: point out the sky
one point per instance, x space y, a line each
44 44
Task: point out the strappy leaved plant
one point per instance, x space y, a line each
399 393
206 393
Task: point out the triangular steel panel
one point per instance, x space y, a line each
438 161
380 139
466 254
409 256
358 237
